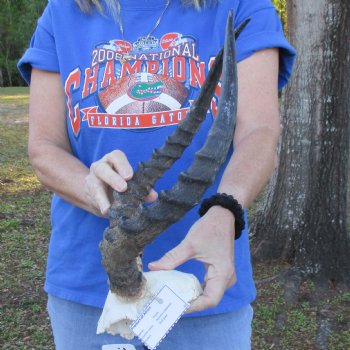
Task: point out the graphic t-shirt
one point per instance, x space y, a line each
129 92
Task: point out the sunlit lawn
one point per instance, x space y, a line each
17 95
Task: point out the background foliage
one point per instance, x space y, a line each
281 6
17 22
18 19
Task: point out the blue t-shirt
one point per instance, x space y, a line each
129 92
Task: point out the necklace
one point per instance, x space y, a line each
126 56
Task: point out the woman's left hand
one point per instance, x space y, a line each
210 240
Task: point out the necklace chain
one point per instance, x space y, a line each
121 28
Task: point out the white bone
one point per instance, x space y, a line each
119 313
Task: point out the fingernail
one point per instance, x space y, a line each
126 173
122 187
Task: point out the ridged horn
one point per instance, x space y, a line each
125 204
147 173
132 225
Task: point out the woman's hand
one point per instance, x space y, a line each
109 173
210 240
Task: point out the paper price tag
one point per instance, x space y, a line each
158 317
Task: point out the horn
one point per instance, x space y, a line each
127 203
132 225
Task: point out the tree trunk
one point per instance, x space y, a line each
8 68
304 215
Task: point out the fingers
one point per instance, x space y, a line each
114 169
110 172
210 241
120 163
213 292
103 171
174 257
211 296
97 195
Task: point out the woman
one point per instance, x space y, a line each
89 127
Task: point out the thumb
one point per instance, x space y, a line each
173 258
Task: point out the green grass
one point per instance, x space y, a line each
17 95
24 235
278 325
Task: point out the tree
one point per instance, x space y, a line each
304 216
17 22
303 220
281 9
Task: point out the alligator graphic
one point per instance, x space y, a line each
146 91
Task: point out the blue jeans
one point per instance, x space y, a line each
74 328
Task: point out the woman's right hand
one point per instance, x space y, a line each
52 158
109 173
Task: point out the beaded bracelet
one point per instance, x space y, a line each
228 202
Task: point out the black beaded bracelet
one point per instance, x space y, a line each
228 202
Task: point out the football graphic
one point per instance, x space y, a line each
143 93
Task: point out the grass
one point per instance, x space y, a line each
24 235
280 326
14 95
